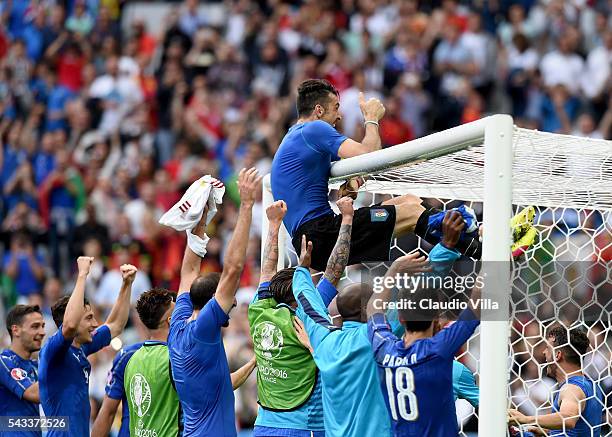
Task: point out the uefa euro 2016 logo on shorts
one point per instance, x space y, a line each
269 339
140 392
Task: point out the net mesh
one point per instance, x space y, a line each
563 278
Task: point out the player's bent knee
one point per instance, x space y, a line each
405 199
406 216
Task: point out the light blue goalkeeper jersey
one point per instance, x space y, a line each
352 401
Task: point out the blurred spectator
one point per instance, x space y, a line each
522 64
110 283
89 229
349 104
80 21
24 267
453 60
563 66
393 130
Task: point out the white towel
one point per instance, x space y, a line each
187 212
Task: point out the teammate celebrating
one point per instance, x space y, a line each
115 395
290 405
300 172
148 375
199 364
578 402
18 371
64 368
416 371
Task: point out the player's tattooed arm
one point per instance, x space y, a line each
275 213
340 254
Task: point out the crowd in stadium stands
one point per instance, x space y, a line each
104 122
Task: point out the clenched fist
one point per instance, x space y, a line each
276 211
84 264
128 272
372 110
345 205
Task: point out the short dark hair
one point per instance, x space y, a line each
17 314
573 348
312 92
203 289
419 319
59 309
352 302
152 305
281 286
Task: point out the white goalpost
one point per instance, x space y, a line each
497 167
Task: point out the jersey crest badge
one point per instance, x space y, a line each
19 374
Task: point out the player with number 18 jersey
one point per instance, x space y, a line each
417 380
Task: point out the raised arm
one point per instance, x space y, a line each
118 317
372 110
275 214
75 309
249 183
340 254
240 376
192 263
410 264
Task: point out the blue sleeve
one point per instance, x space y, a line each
327 291
101 339
209 322
114 388
17 382
323 138
263 292
394 323
441 259
182 310
464 384
56 345
381 337
311 310
449 340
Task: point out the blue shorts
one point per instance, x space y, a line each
267 431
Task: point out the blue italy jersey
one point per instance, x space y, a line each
417 383
200 369
590 422
352 402
16 375
114 387
308 417
64 380
300 171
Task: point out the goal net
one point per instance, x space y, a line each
563 278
